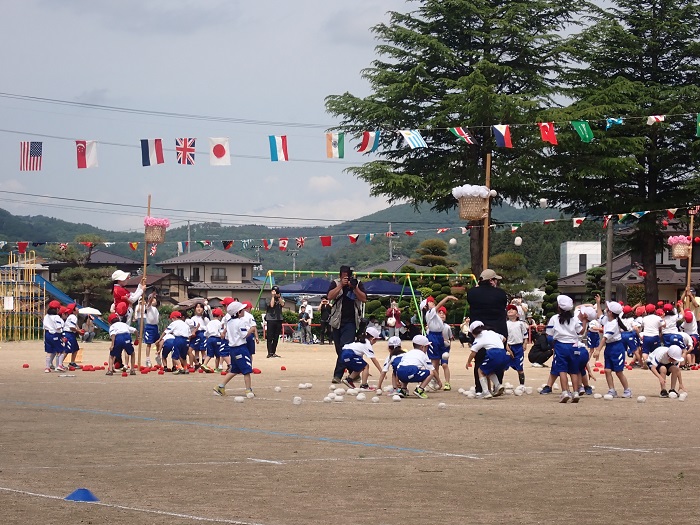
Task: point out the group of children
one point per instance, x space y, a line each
61 336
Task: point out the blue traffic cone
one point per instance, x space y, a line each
81 495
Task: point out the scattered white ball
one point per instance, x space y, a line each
528 390
352 391
442 405
507 385
278 389
509 391
593 387
672 395
597 396
388 389
641 399
453 241
473 390
378 392
250 395
331 396
302 386
339 391
608 397
543 385
460 390
296 400
361 397
471 395
518 241
555 387
683 396
327 399
493 193
518 391
396 397
375 399
338 399
239 399
446 356
331 388
539 389
309 386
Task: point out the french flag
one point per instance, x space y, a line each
151 152
370 142
501 133
278 148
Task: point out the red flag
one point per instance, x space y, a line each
606 220
549 221
133 245
410 232
267 243
326 240
547 132
88 244
442 230
283 243
671 212
353 237
22 246
87 153
391 234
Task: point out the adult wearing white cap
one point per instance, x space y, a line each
614 348
564 329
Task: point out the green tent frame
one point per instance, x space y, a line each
325 273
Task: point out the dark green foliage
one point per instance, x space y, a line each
594 284
549 301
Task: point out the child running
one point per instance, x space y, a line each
236 352
497 359
416 367
352 357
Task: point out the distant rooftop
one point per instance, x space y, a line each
212 256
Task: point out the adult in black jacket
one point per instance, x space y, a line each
541 350
487 303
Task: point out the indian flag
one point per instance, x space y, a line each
335 145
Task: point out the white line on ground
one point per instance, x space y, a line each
133 509
266 461
621 449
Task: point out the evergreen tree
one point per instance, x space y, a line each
638 58
452 64
433 252
551 291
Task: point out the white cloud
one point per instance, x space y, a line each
323 184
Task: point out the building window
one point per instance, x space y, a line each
582 260
244 271
195 275
218 275
168 270
181 273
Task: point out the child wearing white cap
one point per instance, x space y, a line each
415 367
564 329
665 361
236 354
392 361
614 349
352 357
497 358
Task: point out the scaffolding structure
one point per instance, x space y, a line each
22 299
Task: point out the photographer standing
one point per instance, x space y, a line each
273 317
347 294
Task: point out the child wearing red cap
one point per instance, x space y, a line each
198 342
53 328
213 340
70 334
182 332
651 331
120 335
670 334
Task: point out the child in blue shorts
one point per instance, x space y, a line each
395 350
497 358
213 340
120 334
151 335
447 337
182 333
565 329
416 367
167 345
53 328
352 356
434 326
517 331
236 354
614 349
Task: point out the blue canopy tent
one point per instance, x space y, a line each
381 287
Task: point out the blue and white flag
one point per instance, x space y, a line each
413 138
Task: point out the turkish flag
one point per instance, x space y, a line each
86 151
547 132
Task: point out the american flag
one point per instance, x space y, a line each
30 156
185 150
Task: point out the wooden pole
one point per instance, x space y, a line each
608 261
485 250
692 212
142 301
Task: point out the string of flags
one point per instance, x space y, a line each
152 151
283 243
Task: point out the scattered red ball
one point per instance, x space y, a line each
25 365
599 364
124 374
105 363
223 373
644 274
257 371
665 223
161 373
596 369
201 371
71 368
602 371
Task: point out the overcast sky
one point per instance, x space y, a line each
257 60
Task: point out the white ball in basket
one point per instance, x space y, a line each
493 193
543 203
453 242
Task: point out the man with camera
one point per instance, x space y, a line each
347 294
273 318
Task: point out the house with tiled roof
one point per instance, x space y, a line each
98 259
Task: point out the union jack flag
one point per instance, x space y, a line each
185 150
300 241
154 248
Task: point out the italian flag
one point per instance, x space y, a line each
335 145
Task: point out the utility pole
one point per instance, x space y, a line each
293 255
391 251
258 260
189 237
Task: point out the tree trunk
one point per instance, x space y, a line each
651 285
476 245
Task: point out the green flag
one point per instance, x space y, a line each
583 129
697 126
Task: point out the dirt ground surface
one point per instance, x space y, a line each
163 449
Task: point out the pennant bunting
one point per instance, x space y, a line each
226 244
88 245
282 243
583 128
3 244
369 237
370 142
30 154
463 133
219 153
268 243
204 244
151 152
335 145
300 241
154 249
410 233
413 138
38 243
63 246
610 122
463 229
501 132
185 150
133 245
622 216
549 221
245 243
391 234
547 132
181 247
671 213
653 119
86 151
326 240
353 237
606 220
278 148
514 227
22 246
442 230
108 244
639 214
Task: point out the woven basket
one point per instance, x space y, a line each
680 251
473 208
155 234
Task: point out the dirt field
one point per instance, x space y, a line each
165 449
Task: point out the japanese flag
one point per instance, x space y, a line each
219 153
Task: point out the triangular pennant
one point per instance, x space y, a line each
63 246
391 234
154 248
653 119
549 221
671 212
22 246
514 227
227 244
410 233
578 221
38 243
353 237
204 244
134 245
88 244
282 243
583 128
245 243
622 216
326 240
610 122
442 230
639 214
108 244
606 220
463 229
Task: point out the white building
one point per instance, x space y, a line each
579 256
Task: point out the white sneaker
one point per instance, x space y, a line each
576 398
60 369
483 395
159 361
47 370
565 397
148 362
537 365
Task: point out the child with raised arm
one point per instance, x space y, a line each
236 353
434 327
